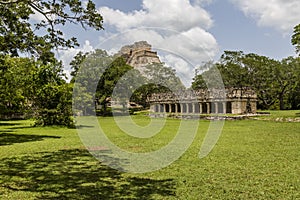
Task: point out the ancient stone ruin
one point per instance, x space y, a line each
139 54
204 101
234 101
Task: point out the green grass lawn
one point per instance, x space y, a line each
253 159
281 115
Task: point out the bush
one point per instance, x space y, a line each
51 117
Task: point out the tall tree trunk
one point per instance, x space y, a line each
281 102
281 98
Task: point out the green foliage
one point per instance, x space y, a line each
141 94
17 34
39 87
97 73
115 79
34 88
275 82
110 78
296 38
158 78
209 78
51 96
76 63
57 110
13 84
163 76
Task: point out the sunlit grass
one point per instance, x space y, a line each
281 115
253 159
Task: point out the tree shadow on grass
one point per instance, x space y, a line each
6 131
75 174
10 138
8 124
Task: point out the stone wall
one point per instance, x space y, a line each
137 46
139 54
142 58
235 101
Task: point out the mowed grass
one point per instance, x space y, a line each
253 159
281 115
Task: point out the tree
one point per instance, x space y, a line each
162 75
96 75
109 80
208 76
115 79
296 38
272 80
141 94
17 34
50 95
76 63
286 79
42 85
158 78
34 88
292 65
13 84
262 78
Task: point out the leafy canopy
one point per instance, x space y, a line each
296 38
274 81
18 33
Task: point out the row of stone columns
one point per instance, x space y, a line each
194 108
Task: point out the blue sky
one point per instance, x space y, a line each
187 33
235 31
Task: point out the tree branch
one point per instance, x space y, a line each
35 7
10 2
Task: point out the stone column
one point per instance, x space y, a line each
161 108
165 108
187 108
170 108
152 108
224 107
216 107
181 107
176 107
194 108
208 108
200 108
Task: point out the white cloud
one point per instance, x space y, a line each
182 51
195 45
66 56
183 68
177 15
202 2
37 17
174 27
282 15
